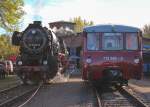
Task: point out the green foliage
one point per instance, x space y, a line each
81 23
6 49
10 13
146 35
146 31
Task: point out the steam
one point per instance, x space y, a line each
63 31
39 4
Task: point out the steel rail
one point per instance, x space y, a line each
10 88
99 103
98 98
132 96
29 99
15 99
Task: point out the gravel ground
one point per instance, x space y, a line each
142 89
141 86
4 96
74 93
10 81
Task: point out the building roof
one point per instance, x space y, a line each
62 22
111 28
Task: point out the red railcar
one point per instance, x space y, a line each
112 53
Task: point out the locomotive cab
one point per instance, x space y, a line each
112 53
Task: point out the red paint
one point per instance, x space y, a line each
101 60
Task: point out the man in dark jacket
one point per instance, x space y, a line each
2 71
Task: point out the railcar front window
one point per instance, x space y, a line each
112 41
92 41
131 41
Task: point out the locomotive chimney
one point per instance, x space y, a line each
39 23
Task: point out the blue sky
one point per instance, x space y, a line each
128 12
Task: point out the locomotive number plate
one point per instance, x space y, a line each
113 58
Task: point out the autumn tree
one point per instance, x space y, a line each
10 13
81 23
6 47
146 30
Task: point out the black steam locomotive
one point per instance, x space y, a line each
38 58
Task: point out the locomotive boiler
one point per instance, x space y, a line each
38 57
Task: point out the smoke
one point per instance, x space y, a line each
63 31
38 6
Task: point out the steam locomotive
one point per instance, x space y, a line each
39 53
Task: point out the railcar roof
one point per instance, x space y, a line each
111 28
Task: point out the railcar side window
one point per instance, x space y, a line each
112 41
92 41
131 41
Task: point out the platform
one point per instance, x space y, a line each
142 86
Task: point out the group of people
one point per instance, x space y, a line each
6 68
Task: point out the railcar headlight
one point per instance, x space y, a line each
137 60
19 62
45 62
88 60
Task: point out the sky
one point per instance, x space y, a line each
126 12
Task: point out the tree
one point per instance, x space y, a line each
10 13
6 48
146 30
81 23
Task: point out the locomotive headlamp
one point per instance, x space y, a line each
33 31
88 60
45 62
137 60
19 62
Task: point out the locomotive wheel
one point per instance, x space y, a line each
24 79
53 66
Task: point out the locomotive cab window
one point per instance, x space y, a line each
131 41
93 41
112 41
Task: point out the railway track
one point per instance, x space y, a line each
139 96
114 97
99 104
11 96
